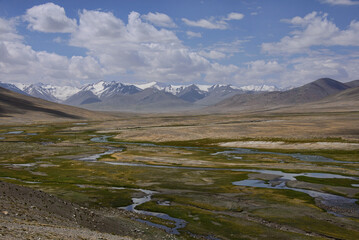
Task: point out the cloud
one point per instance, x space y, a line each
213 23
260 68
340 2
20 63
313 30
159 19
8 31
136 48
221 73
49 17
212 54
85 67
203 23
306 69
191 34
228 48
133 50
234 16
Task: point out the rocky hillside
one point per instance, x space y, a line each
31 214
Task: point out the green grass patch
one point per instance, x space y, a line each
329 181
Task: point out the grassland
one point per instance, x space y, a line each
179 157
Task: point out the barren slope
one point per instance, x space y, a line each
15 107
310 92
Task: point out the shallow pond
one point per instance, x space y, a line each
343 206
232 153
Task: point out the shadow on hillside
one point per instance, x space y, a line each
16 105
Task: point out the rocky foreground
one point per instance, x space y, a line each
26 213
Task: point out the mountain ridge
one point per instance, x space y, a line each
116 96
22 108
310 92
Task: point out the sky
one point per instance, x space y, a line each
284 43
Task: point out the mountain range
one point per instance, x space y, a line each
308 93
140 97
116 96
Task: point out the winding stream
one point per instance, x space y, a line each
179 223
337 205
342 206
231 154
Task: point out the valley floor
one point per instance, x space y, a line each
254 175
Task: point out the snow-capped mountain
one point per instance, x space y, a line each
192 93
40 90
259 88
104 95
50 92
104 89
12 87
174 89
143 86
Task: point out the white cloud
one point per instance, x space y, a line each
212 54
260 68
49 17
137 49
314 30
191 34
234 16
213 23
340 2
306 69
20 63
58 40
85 67
229 48
159 19
221 73
8 31
132 51
203 23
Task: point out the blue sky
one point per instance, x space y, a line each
274 42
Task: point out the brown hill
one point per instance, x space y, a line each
352 84
310 92
32 214
15 107
345 99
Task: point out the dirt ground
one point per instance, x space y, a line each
31 214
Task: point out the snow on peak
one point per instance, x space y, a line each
96 88
259 88
64 92
21 86
204 88
174 89
59 92
149 85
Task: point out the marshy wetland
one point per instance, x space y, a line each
191 176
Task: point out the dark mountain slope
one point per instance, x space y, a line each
26 108
150 99
191 94
12 87
352 84
351 94
82 97
218 93
310 92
